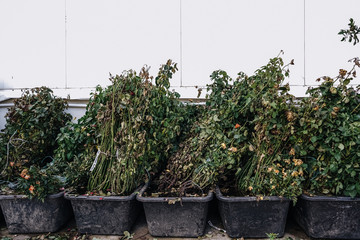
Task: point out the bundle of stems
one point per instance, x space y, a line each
139 125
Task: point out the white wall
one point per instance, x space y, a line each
72 45
325 54
32 43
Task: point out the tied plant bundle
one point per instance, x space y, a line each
188 172
195 167
243 138
269 167
134 131
254 150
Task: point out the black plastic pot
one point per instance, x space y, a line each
23 215
328 217
250 217
110 215
172 217
2 220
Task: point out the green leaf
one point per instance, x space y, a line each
341 146
333 167
353 193
339 187
216 118
346 81
325 191
313 139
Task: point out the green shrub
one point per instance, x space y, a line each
134 130
246 133
28 140
330 136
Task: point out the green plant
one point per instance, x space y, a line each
330 135
127 236
32 125
272 236
189 171
257 118
351 33
140 122
74 138
271 168
38 182
77 142
246 133
197 165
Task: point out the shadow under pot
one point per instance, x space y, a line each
23 215
250 217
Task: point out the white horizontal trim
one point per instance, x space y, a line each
71 105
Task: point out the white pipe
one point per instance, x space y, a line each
4 105
77 105
71 105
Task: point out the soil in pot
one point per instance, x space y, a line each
328 217
175 217
109 215
251 216
23 215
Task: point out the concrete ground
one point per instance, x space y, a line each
140 232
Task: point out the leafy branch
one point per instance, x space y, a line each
351 33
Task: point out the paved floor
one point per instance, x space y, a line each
140 232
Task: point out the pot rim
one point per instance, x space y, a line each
223 198
329 198
143 199
22 196
74 197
